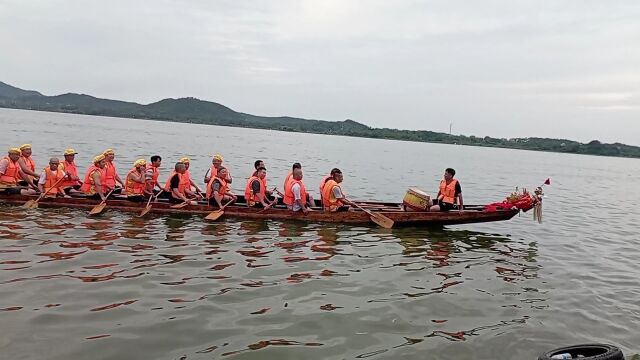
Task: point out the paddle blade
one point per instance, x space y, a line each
145 211
31 204
382 220
98 208
214 215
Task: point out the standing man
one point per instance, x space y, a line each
332 196
449 194
10 171
151 174
28 167
295 195
48 182
110 170
72 183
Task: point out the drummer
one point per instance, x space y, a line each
450 193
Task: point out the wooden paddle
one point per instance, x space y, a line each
98 208
32 204
181 205
215 215
379 219
148 207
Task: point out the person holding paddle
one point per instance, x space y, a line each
216 164
188 183
72 183
151 174
110 171
218 189
332 197
28 167
255 193
135 183
175 187
450 193
10 172
95 181
295 195
50 182
289 176
258 164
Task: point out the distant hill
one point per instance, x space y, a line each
193 110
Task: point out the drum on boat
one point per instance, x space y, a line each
417 200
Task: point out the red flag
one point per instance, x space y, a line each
547 182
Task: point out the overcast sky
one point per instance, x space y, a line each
562 69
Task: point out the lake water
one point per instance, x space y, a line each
175 287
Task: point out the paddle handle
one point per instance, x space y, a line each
278 191
227 204
51 188
106 197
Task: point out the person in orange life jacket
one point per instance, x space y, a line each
111 172
10 172
324 181
49 177
28 167
296 197
255 191
135 187
151 175
218 191
289 176
213 171
94 184
450 193
332 195
258 164
72 183
175 186
188 181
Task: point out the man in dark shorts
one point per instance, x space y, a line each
449 194
176 193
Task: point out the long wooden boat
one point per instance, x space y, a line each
394 211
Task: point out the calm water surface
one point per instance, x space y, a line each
175 287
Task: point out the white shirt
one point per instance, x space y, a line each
43 177
296 196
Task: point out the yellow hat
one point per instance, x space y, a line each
140 162
218 157
185 160
98 158
14 151
70 152
108 152
25 146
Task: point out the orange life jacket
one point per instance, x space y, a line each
185 180
154 177
448 191
110 173
213 172
10 176
181 184
322 182
287 180
264 181
88 186
252 198
30 164
329 200
71 169
51 180
133 188
289 197
223 187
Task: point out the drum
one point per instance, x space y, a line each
417 200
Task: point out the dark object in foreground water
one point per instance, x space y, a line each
588 352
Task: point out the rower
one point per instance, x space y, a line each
216 163
10 171
95 181
135 186
289 177
295 194
111 172
48 182
255 193
152 173
324 181
28 167
449 194
332 196
218 189
188 183
176 187
72 183
260 164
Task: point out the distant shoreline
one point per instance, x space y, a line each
195 111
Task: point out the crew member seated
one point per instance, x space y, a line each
449 193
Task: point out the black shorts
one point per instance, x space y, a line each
445 206
11 190
137 198
74 187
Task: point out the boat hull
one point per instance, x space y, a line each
392 211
